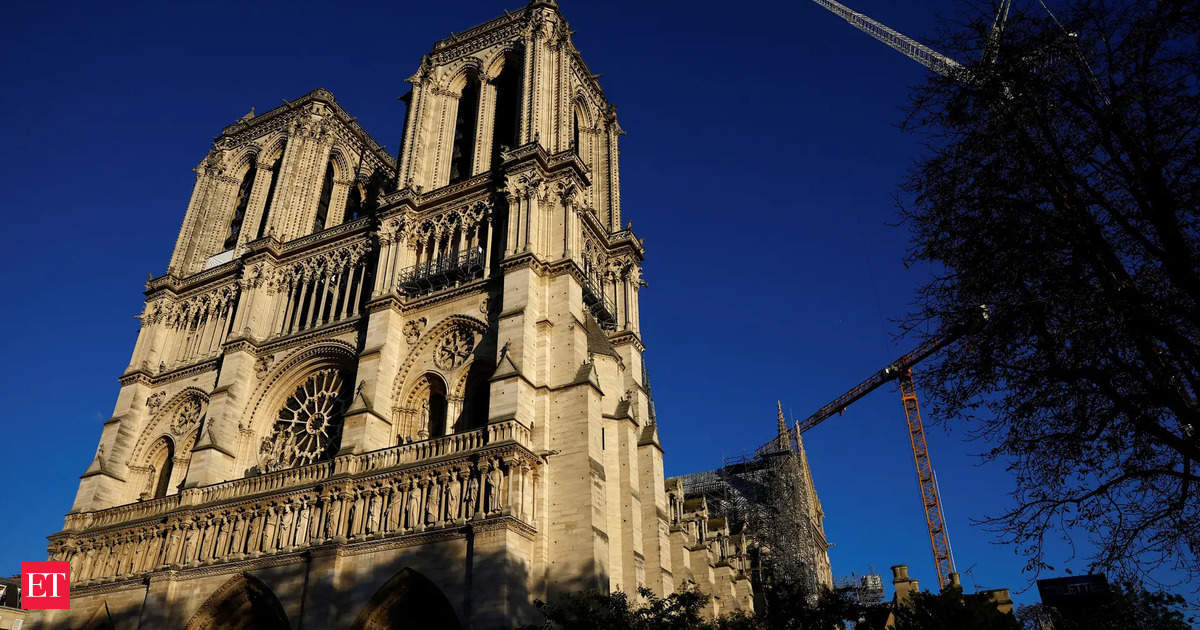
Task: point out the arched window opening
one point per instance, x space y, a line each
275 168
464 132
435 406
575 135
163 465
239 211
354 203
506 123
323 202
407 100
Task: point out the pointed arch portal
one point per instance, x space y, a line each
408 600
242 603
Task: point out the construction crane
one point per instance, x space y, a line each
900 370
913 49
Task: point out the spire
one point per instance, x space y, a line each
785 443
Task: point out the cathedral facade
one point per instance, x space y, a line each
377 391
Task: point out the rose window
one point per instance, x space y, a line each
188 416
453 349
309 427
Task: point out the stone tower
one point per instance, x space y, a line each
372 389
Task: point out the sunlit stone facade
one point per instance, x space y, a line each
373 391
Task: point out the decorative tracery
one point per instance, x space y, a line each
309 426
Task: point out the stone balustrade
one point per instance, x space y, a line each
434 484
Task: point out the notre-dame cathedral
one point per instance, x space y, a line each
377 391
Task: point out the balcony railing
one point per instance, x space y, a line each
441 272
601 307
477 475
382 459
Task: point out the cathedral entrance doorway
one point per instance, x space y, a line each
242 603
408 600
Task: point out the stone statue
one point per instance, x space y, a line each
414 506
222 539
285 528
373 513
394 515
332 510
189 544
431 502
452 493
472 497
495 478
173 545
255 537
239 526
301 526
269 525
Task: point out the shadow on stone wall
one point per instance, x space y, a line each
449 583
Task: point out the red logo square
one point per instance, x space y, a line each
45 584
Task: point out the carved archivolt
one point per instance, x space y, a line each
283 380
180 416
309 425
432 344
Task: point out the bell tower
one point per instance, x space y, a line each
363 378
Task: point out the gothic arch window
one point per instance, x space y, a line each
575 134
506 123
436 406
308 426
266 213
354 203
239 210
163 465
323 201
465 125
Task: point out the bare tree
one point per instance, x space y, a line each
1060 187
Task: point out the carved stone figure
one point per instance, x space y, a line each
472 498
236 546
300 538
452 493
495 478
285 528
432 502
395 511
332 511
189 544
414 506
373 514
256 528
413 329
269 525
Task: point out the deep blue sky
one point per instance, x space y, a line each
760 165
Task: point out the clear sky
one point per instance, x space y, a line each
761 164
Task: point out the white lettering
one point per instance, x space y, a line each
42 584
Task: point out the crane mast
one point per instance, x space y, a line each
901 371
939 539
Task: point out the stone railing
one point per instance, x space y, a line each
440 483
